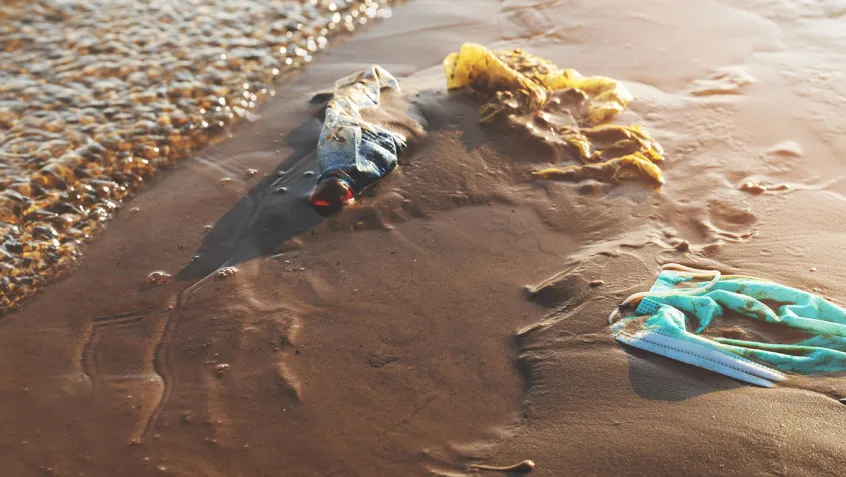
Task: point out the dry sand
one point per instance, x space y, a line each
396 338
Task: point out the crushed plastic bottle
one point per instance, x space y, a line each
520 84
353 154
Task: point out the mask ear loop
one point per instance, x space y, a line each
714 275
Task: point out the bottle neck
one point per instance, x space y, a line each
345 178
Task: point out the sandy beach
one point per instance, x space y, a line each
398 337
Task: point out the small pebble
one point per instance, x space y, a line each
281 190
308 173
157 278
683 246
596 283
521 468
251 173
226 272
207 228
753 188
225 181
220 369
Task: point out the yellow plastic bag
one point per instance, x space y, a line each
521 84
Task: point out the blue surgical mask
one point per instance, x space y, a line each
681 293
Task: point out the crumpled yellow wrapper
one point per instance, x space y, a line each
519 83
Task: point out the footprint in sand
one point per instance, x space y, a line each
118 360
724 81
729 221
782 160
717 220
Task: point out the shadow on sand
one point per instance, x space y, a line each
270 214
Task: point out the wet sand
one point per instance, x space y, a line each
397 338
